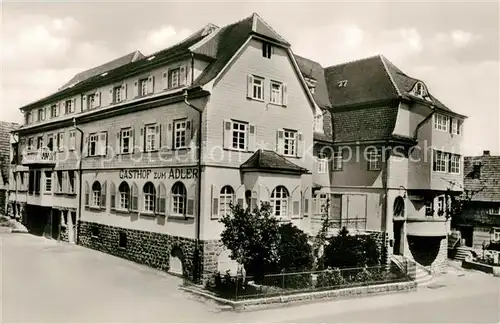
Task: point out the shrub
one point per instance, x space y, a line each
294 251
225 285
330 278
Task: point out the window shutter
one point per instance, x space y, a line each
227 134
296 209
124 89
103 194
188 132
252 134
118 142
112 195
135 89
250 86
254 200
157 200
165 79
157 137
162 193
300 144
87 194
182 75
87 144
280 141
191 201
97 99
141 140
306 206
215 202
132 140
84 102
103 143
284 93
134 195
169 136
110 96
73 106
59 107
151 84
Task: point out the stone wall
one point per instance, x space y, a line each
441 258
149 248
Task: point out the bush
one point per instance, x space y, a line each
225 285
495 246
350 251
330 278
294 251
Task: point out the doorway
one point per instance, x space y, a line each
466 232
56 224
398 235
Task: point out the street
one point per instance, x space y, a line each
46 281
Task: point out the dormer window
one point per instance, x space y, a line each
266 50
311 84
419 90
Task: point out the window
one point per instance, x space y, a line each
440 160
91 101
134 193
39 142
429 208
494 210
151 144
122 239
179 199
455 126
226 198
28 118
30 143
267 50
318 124
48 181
289 141
143 87
71 182
419 89
41 114
96 194
239 135
496 234
441 122
125 136
149 197
258 88
69 107
72 140
180 134
93 144
374 160
59 178
322 164
337 160
118 94
455 164
279 201
441 205
276 93
60 142
161 199
50 142
53 111
174 78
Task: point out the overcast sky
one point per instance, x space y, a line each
453 47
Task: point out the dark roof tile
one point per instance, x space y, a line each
488 184
270 161
314 70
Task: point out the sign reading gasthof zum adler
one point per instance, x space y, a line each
172 173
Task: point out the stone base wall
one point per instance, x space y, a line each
63 235
442 257
149 248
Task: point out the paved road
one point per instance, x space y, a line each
47 282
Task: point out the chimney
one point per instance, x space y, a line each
486 153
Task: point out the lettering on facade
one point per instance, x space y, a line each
145 174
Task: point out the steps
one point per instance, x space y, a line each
423 276
462 253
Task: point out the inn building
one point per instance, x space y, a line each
141 156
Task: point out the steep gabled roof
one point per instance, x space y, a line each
82 76
314 70
487 187
270 161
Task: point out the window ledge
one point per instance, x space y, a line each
59 193
256 99
121 211
95 208
148 214
70 194
180 217
277 104
47 193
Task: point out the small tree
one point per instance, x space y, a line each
294 251
253 238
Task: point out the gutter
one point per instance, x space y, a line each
198 211
79 182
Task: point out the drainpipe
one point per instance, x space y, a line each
198 225
79 182
192 68
415 134
386 200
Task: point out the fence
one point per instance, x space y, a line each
235 287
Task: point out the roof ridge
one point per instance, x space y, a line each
353 61
393 82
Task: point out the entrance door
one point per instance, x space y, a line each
398 229
466 233
56 224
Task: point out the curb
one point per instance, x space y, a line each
301 298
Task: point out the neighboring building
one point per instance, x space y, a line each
5 159
262 117
395 153
479 222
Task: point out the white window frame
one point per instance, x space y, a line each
125 133
41 114
279 202
150 138
429 207
257 88
442 204
289 142
72 140
60 141
226 197
69 108
179 199
96 196
237 134
374 158
71 184
91 101
267 50
337 160
149 200
441 122
143 87
455 163
117 94
276 96
318 124
53 111
94 138
322 163
455 126
174 75
494 210
440 161
180 134
496 234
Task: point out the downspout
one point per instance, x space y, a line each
415 133
386 200
192 68
198 211
79 182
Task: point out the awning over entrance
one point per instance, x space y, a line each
270 161
426 228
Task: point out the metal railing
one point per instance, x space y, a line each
235 287
38 155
